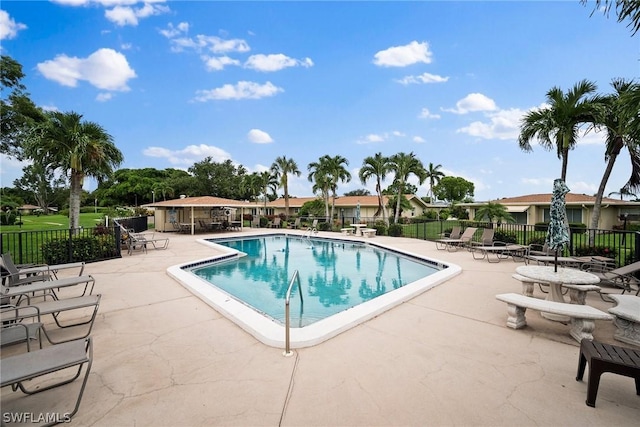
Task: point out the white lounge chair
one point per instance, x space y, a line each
454 244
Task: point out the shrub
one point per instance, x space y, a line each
505 236
8 218
263 221
324 226
539 240
85 249
595 251
395 230
578 227
381 228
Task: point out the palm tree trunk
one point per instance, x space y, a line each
595 218
379 193
397 215
565 161
286 200
74 199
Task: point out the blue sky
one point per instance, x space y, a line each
174 82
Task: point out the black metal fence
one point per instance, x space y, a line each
62 246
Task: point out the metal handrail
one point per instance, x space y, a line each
295 277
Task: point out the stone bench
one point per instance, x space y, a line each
627 318
347 231
583 317
577 293
369 232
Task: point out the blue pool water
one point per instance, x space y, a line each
334 275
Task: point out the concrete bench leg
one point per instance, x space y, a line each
516 316
527 289
582 329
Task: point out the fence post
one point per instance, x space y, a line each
20 258
636 251
70 246
116 232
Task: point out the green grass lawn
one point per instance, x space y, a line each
52 222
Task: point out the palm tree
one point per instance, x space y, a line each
318 175
164 189
556 126
624 9
620 118
494 212
377 166
281 168
403 166
336 171
268 185
78 148
433 175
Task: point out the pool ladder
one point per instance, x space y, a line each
294 279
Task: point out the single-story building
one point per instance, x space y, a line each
345 206
534 208
188 211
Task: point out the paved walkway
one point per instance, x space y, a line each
446 357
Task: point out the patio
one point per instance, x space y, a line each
163 357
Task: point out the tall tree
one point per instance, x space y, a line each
434 174
321 184
76 147
377 166
620 119
454 189
18 114
281 168
336 172
403 166
41 182
268 186
556 125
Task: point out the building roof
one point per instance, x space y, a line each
341 201
200 201
570 198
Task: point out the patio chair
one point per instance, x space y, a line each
30 309
40 269
255 222
454 244
20 325
486 239
275 223
25 368
47 286
142 242
455 233
296 223
622 277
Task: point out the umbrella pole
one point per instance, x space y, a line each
555 262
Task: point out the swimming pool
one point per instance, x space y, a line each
343 283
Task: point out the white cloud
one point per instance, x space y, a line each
473 102
503 124
259 136
8 26
173 32
426 114
188 155
104 97
418 140
241 90
398 133
217 63
105 69
372 138
127 15
422 78
275 62
205 43
401 56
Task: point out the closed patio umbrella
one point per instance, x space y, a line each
358 213
558 233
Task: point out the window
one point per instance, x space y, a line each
573 215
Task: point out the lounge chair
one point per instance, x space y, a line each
275 223
20 325
143 241
621 277
42 269
55 307
296 223
48 286
486 239
24 368
455 233
454 244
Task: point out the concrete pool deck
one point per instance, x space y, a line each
162 357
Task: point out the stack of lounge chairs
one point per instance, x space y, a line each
30 363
